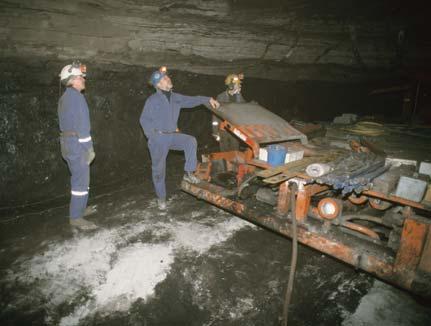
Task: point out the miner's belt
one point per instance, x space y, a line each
69 134
161 132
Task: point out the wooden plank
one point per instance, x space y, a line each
285 176
279 169
301 164
289 170
259 163
280 177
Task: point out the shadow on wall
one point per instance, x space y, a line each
31 167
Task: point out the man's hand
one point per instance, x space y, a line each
214 104
90 155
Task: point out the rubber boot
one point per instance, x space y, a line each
191 178
82 224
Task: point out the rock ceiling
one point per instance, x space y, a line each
275 39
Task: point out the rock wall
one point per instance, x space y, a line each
283 40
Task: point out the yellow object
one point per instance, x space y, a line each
232 79
163 69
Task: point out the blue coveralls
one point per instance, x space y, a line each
159 120
76 145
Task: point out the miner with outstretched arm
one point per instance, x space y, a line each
232 94
159 120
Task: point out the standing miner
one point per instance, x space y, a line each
75 139
232 94
159 120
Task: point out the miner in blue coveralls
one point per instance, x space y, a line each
75 140
159 120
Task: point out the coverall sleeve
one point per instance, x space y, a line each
84 124
147 119
222 97
192 101
78 118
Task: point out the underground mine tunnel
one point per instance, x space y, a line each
349 81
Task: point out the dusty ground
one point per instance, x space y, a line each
193 265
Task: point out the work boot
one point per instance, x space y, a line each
90 210
191 178
161 203
82 224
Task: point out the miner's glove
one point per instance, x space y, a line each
214 104
90 155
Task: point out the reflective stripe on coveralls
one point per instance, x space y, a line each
79 193
84 140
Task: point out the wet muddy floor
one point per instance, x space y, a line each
191 265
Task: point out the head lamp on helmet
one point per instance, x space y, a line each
78 65
233 80
158 75
73 70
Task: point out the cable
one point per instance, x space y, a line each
293 188
367 128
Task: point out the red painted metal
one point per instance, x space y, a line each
410 251
394 199
321 207
361 229
379 204
357 200
303 199
283 200
408 268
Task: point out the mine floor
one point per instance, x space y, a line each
191 265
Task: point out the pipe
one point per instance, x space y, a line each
294 188
329 208
361 229
358 200
369 218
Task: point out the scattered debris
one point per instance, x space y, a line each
346 119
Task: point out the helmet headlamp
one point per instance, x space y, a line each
78 65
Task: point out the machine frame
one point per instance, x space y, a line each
331 223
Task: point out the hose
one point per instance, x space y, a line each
288 296
367 128
245 183
369 218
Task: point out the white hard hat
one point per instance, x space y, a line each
75 69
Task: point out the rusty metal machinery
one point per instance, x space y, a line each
355 212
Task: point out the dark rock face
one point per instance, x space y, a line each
284 40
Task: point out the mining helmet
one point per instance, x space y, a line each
72 70
233 79
157 75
